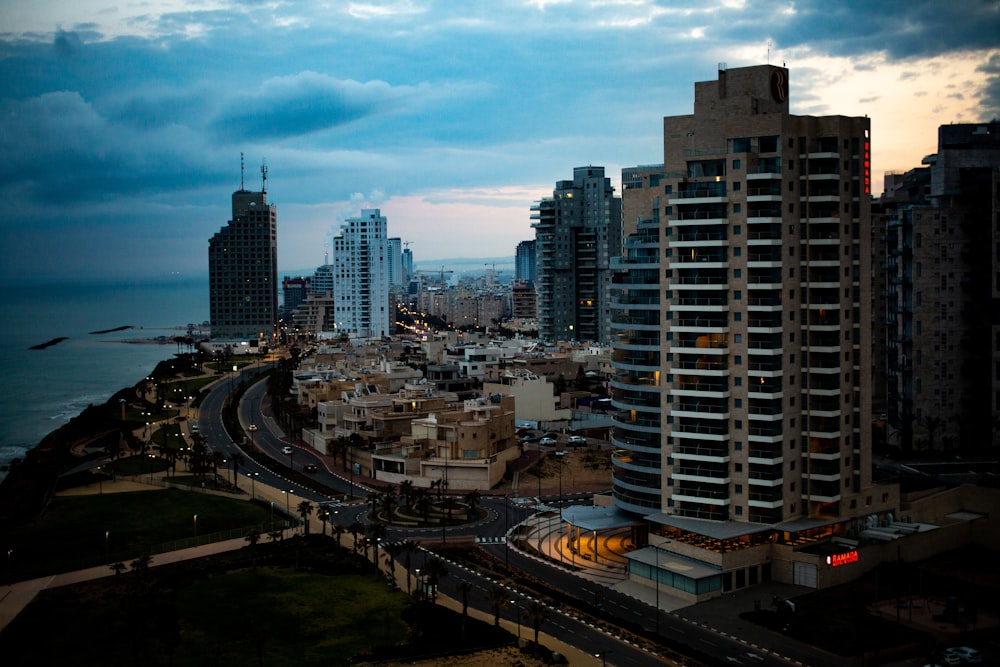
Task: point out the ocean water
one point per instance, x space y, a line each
43 389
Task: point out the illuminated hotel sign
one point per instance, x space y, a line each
868 163
836 560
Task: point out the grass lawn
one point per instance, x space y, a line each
217 611
76 532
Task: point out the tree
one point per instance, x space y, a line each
388 505
406 491
464 588
537 614
392 551
118 568
409 547
323 514
354 529
305 510
497 597
376 532
472 500
423 504
337 531
238 460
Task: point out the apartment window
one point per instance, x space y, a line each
737 208
736 186
736 164
739 488
738 360
737 273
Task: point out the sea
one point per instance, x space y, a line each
43 389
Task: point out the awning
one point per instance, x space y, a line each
599 518
719 530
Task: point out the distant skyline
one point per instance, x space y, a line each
122 124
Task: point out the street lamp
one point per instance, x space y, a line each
287 510
107 547
517 603
196 525
603 655
253 478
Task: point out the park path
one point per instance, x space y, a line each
15 597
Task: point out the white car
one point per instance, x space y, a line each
547 442
577 440
286 450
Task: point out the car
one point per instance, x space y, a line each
252 427
547 442
530 438
551 434
312 467
966 654
286 450
577 440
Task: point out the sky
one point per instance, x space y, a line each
122 123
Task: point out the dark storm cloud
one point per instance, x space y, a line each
990 94
302 104
903 29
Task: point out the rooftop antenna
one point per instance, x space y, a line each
263 177
241 171
768 52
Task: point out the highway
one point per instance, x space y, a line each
711 647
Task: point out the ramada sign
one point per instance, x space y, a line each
836 560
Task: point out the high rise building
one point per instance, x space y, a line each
943 338
322 280
361 276
407 266
524 262
755 332
243 269
294 292
577 232
394 262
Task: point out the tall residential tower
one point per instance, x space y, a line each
243 269
577 232
762 362
361 276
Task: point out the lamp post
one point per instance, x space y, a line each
656 573
107 547
603 655
272 515
196 526
517 603
253 478
287 494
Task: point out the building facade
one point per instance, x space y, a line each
524 262
943 290
243 270
577 232
743 349
360 276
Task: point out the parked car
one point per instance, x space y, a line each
252 427
577 440
547 442
966 654
286 450
312 467
530 438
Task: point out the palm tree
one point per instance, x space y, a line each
406 491
537 614
376 532
392 551
472 500
464 588
497 597
337 531
373 499
238 460
354 529
305 510
389 505
423 504
435 570
323 514
409 547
